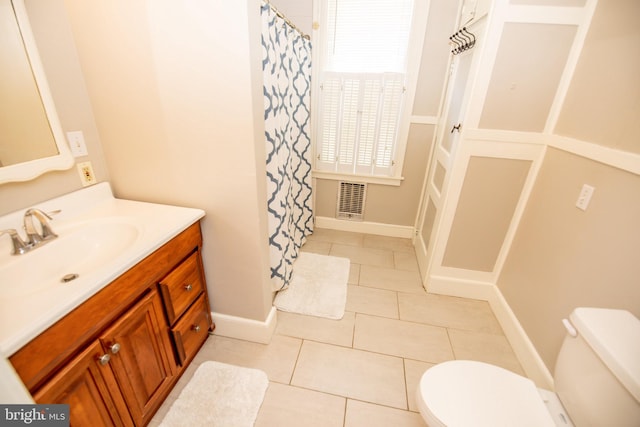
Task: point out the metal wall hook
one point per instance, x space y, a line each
463 40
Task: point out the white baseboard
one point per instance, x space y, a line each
529 358
522 346
459 287
245 329
377 228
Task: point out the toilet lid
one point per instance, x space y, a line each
469 393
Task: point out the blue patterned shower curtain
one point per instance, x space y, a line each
286 65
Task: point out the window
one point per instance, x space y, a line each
361 75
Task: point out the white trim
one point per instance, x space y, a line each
380 229
369 179
525 351
414 55
423 120
507 136
570 66
421 253
246 329
545 15
624 160
459 287
523 348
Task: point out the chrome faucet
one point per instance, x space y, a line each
35 236
19 246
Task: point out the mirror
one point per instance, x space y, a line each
31 138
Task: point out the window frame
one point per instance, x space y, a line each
414 56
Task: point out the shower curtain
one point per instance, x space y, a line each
286 65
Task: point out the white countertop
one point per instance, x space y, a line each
22 318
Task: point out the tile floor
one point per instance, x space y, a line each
362 370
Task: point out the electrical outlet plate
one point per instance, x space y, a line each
585 197
86 174
76 143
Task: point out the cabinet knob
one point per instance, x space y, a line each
196 328
104 359
188 287
115 348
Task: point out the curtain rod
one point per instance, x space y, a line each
291 24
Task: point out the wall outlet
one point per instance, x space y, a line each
76 143
585 197
86 174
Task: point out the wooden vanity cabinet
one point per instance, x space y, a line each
115 358
187 307
140 357
88 387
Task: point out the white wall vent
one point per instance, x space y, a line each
351 198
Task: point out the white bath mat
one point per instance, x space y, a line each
219 395
318 286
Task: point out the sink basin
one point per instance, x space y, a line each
76 253
100 238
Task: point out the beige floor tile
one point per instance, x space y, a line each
483 347
336 236
338 332
362 414
403 339
413 370
287 406
384 242
354 274
276 359
357 374
316 247
450 312
364 256
390 279
378 302
405 261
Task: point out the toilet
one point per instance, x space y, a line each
596 379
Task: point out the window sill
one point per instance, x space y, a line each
369 179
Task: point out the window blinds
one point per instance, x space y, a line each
362 85
367 35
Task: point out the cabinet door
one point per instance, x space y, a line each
139 347
89 388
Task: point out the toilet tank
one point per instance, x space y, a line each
597 373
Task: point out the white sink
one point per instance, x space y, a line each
100 238
58 263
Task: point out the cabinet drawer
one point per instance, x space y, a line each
181 287
192 330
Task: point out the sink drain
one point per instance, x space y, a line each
69 277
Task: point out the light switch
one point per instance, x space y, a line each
76 143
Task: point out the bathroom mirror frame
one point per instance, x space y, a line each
63 160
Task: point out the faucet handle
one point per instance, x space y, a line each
19 246
43 218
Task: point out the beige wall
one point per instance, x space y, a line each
53 36
525 77
603 103
174 88
490 193
563 257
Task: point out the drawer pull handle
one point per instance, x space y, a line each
188 287
196 328
104 359
115 348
